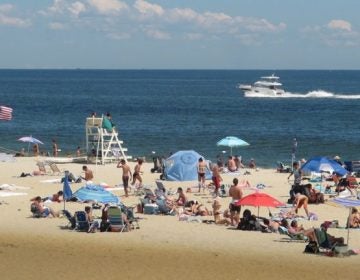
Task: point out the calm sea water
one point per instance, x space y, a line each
168 110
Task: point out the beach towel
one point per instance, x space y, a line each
58 180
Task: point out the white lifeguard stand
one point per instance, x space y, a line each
103 144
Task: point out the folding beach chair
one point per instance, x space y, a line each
293 237
115 219
71 219
129 212
282 168
54 168
41 166
160 186
81 222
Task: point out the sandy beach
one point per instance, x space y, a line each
163 247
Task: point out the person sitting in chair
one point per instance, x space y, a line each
354 219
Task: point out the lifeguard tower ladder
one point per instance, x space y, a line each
103 144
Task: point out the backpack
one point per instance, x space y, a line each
312 248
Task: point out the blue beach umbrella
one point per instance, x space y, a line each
182 166
95 193
30 139
232 141
323 164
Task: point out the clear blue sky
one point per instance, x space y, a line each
180 34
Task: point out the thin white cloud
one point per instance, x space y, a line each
56 26
157 34
58 6
193 36
156 21
339 24
76 8
13 21
118 36
334 33
9 20
260 25
108 6
5 8
186 14
146 8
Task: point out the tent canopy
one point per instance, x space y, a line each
182 166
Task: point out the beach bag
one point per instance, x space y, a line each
151 209
312 248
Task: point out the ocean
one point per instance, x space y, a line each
158 112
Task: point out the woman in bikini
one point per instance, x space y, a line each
202 166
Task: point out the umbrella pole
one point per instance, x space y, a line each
348 229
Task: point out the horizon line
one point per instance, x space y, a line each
181 69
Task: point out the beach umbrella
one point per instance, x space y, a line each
182 166
349 203
95 193
67 192
232 141
259 199
323 164
30 139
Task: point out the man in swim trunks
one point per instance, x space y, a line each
136 175
216 178
201 168
236 194
125 175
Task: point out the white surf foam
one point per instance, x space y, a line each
311 94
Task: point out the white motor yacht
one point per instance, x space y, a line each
267 86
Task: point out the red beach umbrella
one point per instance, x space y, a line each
259 199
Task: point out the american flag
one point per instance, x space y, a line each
5 113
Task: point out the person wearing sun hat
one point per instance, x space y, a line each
338 160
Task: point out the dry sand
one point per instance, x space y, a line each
163 247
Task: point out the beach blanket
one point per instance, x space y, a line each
12 187
57 180
6 194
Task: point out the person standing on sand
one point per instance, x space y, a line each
201 169
216 178
125 175
36 150
137 172
235 192
54 148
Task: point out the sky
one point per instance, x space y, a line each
180 34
